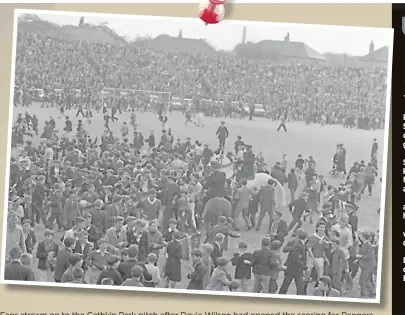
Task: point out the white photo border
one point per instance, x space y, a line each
376 300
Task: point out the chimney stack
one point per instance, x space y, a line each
244 35
181 34
287 37
371 49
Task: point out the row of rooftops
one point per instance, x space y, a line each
282 48
285 48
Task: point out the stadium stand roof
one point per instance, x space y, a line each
186 45
30 23
290 49
379 55
95 34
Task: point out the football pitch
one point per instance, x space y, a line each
314 140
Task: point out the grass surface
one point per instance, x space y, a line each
318 141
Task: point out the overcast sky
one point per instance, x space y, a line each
227 34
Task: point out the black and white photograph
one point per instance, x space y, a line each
166 155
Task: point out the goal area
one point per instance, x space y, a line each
144 95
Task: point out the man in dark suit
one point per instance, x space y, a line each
173 262
30 240
56 208
325 288
15 270
367 263
296 264
223 228
125 267
278 229
206 155
222 134
374 147
62 260
83 246
113 210
297 208
216 183
38 198
262 267
337 264
198 272
218 251
248 163
171 190
47 251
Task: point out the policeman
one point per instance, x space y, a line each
222 134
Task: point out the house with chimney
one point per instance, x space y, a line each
375 58
181 44
285 49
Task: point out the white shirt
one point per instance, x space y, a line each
198 150
48 154
26 159
198 188
154 271
71 233
20 211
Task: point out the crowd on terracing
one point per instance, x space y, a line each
305 91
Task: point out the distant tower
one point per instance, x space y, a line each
180 34
287 37
371 48
244 35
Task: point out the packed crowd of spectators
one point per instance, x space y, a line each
118 211
305 91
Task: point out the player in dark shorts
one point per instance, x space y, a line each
61 111
107 121
188 117
163 119
133 118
